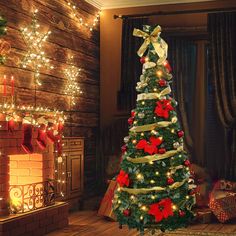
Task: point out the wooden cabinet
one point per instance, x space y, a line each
73 168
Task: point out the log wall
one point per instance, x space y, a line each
68 38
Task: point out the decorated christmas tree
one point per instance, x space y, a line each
155 189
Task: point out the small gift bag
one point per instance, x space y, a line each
106 203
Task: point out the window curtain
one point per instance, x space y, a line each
222 36
182 57
131 67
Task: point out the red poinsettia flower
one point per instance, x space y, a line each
163 107
162 209
151 146
123 179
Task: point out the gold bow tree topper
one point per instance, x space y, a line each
159 45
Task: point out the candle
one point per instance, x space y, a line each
12 86
4 86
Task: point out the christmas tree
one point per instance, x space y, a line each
155 188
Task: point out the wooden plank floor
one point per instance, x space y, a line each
87 223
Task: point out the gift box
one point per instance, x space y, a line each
223 205
105 208
225 185
204 215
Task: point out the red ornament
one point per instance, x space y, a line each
167 66
130 120
187 163
143 60
126 212
181 213
163 107
132 114
170 181
124 149
162 82
162 209
162 150
123 179
180 133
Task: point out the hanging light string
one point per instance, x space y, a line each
35 57
72 88
74 9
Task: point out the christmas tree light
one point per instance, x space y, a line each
72 88
35 57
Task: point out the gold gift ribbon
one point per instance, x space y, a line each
155 157
147 96
142 128
156 189
160 47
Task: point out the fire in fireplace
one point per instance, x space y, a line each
30 187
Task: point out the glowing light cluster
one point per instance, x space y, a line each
35 57
81 21
72 88
17 113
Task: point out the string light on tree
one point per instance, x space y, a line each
35 40
74 9
72 88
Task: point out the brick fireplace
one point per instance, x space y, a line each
27 183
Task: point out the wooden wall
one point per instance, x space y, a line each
67 38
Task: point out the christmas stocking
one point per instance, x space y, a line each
11 125
50 132
42 137
27 137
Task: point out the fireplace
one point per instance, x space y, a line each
27 180
27 183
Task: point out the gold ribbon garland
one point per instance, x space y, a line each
156 189
155 157
158 43
147 96
148 127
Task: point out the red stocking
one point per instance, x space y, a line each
42 137
27 138
11 125
50 132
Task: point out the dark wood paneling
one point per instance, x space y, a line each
68 38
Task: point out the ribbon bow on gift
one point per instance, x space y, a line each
158 43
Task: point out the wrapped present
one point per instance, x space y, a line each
223 205
204 215
105 208
225 185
